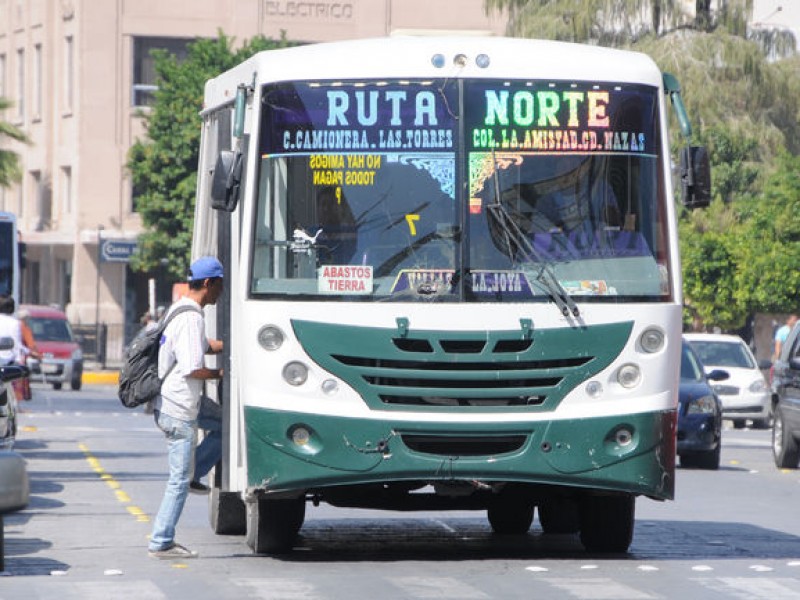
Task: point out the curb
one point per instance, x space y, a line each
100 377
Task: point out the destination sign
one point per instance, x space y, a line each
561 117
359 117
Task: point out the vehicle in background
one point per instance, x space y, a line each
14 491
699 413
62 358
746 395
8 399
10 252
786 403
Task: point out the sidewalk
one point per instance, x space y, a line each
95 374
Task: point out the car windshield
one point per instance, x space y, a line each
724 354
50 330
460 191
690 367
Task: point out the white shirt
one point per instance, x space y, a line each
10 327
184 345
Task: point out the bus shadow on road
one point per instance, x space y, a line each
355 540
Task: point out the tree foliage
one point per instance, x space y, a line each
9 160
163 167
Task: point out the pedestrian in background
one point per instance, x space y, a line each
182 369
781 334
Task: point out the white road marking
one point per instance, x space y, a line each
598 588
436 587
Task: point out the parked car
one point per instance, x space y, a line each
699 413
14 490
746 394
62 358
786 403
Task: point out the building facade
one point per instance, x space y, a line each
79 75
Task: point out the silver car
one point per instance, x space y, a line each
746 394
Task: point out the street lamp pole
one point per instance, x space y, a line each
97 295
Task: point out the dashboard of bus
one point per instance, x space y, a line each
460 190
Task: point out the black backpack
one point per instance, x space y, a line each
138 379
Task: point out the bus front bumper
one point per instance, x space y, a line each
295 452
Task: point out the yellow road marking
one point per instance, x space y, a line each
109 480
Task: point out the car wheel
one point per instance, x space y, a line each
57 385
708 460
762 423
784 446
739 423
75 384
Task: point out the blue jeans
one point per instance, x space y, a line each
180 454
209 451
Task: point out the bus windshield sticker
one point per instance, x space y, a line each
344 279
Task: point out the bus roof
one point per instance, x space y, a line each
413 57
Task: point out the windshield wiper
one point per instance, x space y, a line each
516 242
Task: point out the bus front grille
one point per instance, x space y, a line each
463 445
462 371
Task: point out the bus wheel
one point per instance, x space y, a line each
272 525
510 515
226 513
559 515
607 523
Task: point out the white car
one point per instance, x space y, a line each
746 394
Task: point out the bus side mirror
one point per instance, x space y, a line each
695 177
226 181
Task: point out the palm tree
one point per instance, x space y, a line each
9 160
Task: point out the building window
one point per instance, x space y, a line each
20 101
144 73
69 73
37 81
3 76
66 190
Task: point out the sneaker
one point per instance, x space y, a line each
176 551
196 487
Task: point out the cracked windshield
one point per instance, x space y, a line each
383 191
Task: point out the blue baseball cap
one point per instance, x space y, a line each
206 267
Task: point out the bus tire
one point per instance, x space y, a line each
272 525
226 513
607 523
510 516
559 515
784 447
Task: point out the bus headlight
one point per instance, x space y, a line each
629 376
295 373
270 337
652 340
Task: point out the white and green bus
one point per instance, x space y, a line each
453 282
9 256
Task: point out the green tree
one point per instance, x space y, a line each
163 166
769 242
9 160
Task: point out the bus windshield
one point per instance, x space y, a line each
461 191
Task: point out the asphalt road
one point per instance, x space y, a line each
98 471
